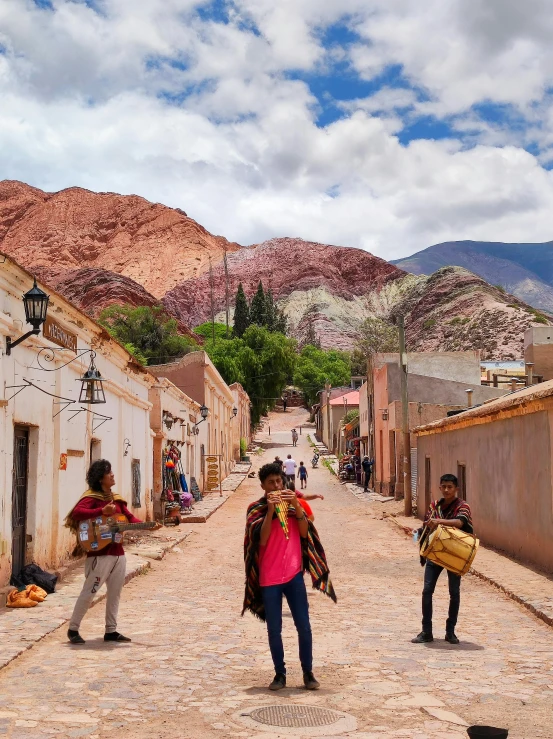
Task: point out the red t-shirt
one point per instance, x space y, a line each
91 508
280 559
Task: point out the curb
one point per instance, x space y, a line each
520 599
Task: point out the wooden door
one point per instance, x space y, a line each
19 498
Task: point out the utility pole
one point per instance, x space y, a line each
212 301
226 291
327 388
407 499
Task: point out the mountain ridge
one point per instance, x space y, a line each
103 248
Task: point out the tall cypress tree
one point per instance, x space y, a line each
270 311
258 307
241 313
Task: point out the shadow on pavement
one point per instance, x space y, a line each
464 646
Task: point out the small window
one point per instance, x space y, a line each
462 478
135 468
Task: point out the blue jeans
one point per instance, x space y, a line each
431 574
296 595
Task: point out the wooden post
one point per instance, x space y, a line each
529 374
407 500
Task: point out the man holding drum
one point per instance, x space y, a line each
448 511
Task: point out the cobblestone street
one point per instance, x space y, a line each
195 667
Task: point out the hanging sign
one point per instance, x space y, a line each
59 335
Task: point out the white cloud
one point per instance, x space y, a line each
85 102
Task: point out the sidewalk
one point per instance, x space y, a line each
211 502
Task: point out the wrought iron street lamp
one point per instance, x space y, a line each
92 392
204 413
35 302
234 412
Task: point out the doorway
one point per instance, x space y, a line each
20 474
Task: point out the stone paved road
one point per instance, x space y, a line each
194 665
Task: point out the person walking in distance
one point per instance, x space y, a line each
367 466
107 565
294 437
448 511
302 474
290 466
284 403
275 561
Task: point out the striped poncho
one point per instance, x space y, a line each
314 560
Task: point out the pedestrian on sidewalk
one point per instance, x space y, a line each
448 511
284 403
280 463
367 466
274 568
108 565
294 437
290 466
302 474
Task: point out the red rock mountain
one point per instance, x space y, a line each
156 246
103 248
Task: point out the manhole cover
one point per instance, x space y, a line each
295 716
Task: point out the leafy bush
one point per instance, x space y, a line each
243 447
314 367
429 323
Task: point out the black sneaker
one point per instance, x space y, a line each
279 682
452 638
115 636
74 637
422 638
310 682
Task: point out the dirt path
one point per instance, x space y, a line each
194 665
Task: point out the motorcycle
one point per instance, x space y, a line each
315 461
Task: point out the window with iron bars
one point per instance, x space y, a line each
135 468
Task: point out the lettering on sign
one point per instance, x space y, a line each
59 335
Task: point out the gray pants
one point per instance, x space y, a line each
99 570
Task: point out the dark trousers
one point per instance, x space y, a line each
367 479
295 593
431 574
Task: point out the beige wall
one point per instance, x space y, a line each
538 348
509 480
241 425
461 367
55 430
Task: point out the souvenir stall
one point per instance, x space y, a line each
176 500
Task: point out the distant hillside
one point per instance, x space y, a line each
524 270
103 248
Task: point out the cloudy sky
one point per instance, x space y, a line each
384 124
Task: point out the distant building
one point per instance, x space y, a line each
538 350
241 425
437 383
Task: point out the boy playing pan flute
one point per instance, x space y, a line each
277 550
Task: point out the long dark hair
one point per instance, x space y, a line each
95 474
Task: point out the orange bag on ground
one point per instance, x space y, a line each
35 593
20 600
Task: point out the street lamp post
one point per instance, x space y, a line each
35 302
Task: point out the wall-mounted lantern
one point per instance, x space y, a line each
35 302
127 444
167 419
234 412
384 412
92 392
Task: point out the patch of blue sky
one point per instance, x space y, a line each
44 4
427 127
501 115
221 11
341 84
159 62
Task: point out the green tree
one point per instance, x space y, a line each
241 313
262 361
311 338
258 307
314 367
146 332
206 330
